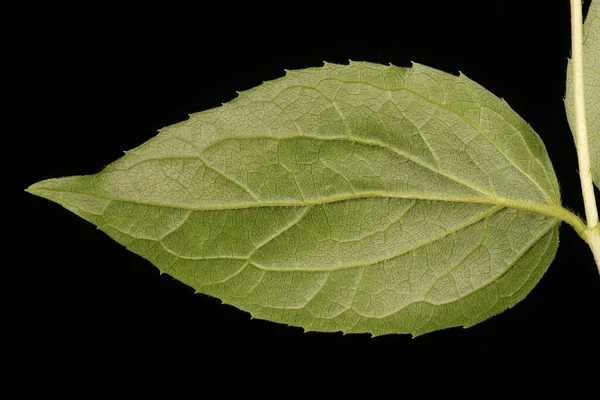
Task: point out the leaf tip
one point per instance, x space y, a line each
36 188
75 193
47 188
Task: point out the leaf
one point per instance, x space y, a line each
359 198
591 76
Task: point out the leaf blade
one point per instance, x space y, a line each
337 174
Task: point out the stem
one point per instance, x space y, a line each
583 154
593 239
581 136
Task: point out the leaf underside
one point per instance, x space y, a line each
591 81
355 198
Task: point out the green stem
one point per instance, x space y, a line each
592 236
593 239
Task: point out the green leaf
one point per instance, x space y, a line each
591 76
359 198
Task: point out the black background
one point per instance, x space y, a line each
98 80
